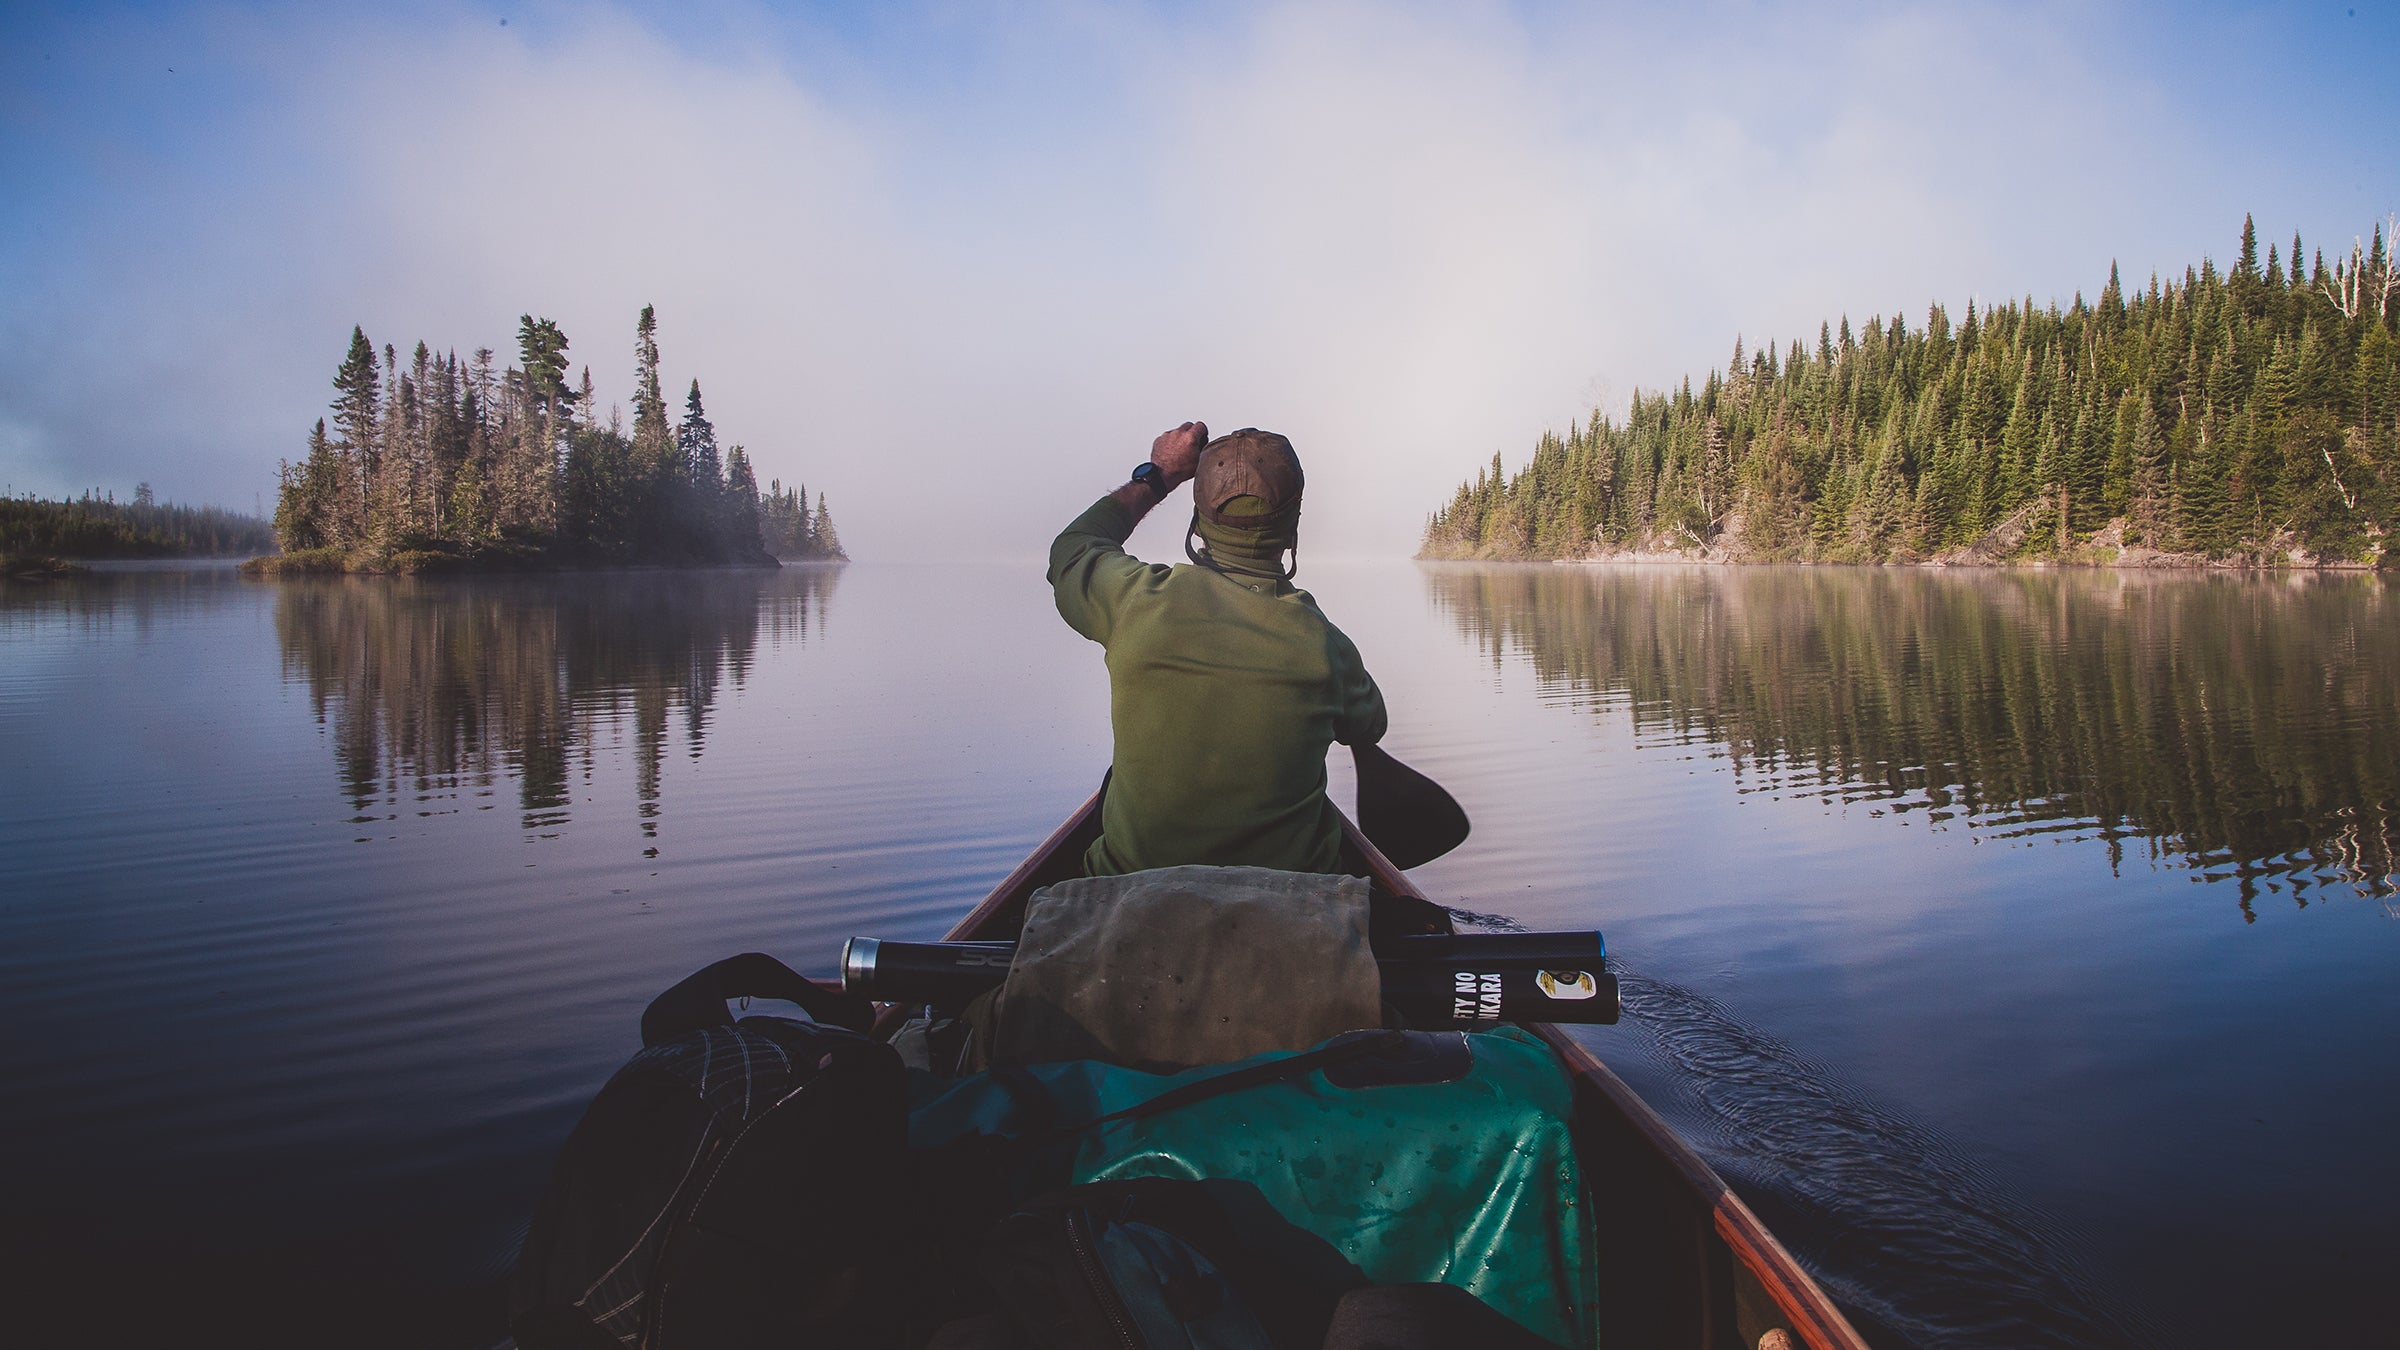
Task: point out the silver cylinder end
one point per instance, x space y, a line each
858 964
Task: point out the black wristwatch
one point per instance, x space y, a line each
1151 476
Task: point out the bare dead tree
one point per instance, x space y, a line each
2352 290
2326 449
2389 282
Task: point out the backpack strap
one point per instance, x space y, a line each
699 1000
1350 1045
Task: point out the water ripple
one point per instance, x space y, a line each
1897 1222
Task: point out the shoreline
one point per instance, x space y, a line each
329 563
2154 563
2151 563
2003 547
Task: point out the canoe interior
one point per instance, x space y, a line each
1684 1263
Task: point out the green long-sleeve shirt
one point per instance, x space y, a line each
1224 693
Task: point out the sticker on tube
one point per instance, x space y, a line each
1567 984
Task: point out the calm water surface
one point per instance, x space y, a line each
2019 944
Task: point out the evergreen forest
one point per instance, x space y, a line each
2249 416
437 462
97 525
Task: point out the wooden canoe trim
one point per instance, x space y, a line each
1811 1313
1818 1323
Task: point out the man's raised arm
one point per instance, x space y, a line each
1080 558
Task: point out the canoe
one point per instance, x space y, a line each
1684 1264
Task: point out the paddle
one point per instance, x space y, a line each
1403 812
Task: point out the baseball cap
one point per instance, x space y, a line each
1247 463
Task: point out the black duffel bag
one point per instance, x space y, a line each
731 1187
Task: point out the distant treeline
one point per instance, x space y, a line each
2249 415
97 526
442 459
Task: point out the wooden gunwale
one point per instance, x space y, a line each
1706 1316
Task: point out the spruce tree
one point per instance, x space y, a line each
542 355
2202 505
664 510
741 515
2150 514
823 542
696 438
358 394
650 436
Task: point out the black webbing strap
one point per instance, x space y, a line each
699 1001
1341 1049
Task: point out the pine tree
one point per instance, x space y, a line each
2200 520
358 394
308 502
824 543
741 496
2150 512
2087 465
696 439
2018 439
650 436
542 355
357 415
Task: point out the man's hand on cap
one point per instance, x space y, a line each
1177 452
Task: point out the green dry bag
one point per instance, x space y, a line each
1444 1157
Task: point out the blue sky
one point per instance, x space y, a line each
901 244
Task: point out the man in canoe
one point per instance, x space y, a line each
1226 684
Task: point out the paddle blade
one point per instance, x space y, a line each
1404 813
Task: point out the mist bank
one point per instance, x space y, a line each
2250 417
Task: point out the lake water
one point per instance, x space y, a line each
2022 945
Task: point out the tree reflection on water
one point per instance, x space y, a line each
435 686
2246 728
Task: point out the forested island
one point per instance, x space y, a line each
37 535
442 464
2245 417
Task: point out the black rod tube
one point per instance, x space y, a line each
1450 994
1448 981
